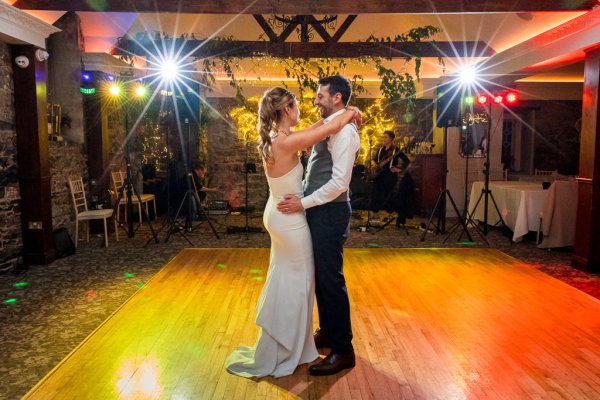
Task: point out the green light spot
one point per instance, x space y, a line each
466 243
129 275
10 301
20 284
140 285
373 245
221 265
255 271
87 90
258 278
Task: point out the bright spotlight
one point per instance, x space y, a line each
512 98
467 75
140 91
114 90
169 70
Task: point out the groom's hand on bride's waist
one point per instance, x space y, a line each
290 204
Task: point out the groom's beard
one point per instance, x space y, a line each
325 110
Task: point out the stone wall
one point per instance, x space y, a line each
66 160
225 159
64 75
11 238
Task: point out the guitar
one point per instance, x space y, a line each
377 167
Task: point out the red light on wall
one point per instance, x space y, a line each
482 99
512 98
498 99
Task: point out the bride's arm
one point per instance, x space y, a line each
319 131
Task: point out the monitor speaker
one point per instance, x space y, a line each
448 106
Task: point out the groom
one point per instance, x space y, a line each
328 211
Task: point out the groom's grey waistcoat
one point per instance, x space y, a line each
319 170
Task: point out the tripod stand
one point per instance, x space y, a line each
465 205
130 191
440 204
190 199
486 193
248 169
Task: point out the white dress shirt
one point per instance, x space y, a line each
343 146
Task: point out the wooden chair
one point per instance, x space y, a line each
83 214
118 180
544 172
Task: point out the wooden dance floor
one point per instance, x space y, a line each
428 324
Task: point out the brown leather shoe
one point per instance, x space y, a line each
332 364
321 340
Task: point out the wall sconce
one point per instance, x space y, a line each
41 55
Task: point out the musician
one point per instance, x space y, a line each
404 191
198 172
385 167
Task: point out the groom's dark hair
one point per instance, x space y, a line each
338 84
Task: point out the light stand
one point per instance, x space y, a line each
248 168
486 193
440 204
130 191
465 205
191 195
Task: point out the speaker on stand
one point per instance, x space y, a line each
448 105
448 115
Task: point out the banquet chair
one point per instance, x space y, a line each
83 214
118 180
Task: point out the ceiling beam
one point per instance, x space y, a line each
203 49
307 6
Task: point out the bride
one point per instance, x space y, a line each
285 306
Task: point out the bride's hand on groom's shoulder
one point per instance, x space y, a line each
357 119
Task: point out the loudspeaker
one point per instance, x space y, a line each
448 106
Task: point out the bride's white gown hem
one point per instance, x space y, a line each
285 306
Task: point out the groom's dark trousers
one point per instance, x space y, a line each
329 227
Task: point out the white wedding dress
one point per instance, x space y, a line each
285 306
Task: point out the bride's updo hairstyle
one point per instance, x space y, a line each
270 109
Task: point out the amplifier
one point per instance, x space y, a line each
217 205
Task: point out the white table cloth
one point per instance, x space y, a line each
519 203
559 215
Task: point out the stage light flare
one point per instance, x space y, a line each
467 75
512 97
498 99
114 90
140 90
482 99
169 70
